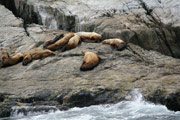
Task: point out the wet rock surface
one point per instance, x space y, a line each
58 81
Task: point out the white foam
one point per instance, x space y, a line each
136 109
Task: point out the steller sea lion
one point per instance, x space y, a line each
116 43
36 53
89 36
90 61
61 43
6 60
50 42
73 42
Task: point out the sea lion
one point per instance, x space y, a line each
89 36
6 60
36 53
61 43
73 42
90 61
116 43
50 42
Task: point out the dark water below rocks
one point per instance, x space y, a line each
136 109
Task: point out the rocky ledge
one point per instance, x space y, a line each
152 24
57 81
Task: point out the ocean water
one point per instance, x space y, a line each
136 109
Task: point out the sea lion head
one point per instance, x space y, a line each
84 52
47 43
4 53
121 44
96 36
105 41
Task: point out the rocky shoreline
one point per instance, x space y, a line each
57 81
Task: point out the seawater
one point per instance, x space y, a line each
136 109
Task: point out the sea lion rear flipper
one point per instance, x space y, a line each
50 42
57 38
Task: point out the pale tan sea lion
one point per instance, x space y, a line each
116 43
90 61
36 53
73 42
6 60
61 43
50 42
89 36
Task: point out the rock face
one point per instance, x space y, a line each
152 24
58 81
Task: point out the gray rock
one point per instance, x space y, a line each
58 79
153 24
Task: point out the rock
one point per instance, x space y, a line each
32 110
173 101
153 25
58 81
5 112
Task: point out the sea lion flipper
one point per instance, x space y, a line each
86 67
57 38
50 42
27 60
63 48
121 47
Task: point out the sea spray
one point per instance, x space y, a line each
135 109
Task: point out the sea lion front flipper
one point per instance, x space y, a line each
63 48
113 47
121 47
27 60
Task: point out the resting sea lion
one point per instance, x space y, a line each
73 42
36 53
50 42
6 60
61 43
90 61
89 36
116 43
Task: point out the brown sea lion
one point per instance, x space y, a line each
61 43
90 61
50 42
116 43
6 60
36 53
73 42
89 36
